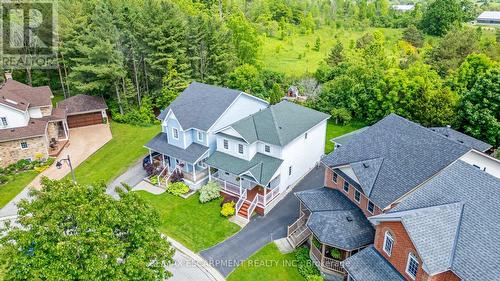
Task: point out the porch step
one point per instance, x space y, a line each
299 236
244 209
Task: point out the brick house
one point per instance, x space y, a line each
30 127
375 169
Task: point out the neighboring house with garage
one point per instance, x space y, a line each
83 110
30 127
189 125
375 170
259 157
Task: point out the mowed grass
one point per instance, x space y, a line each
195 225
293 57
117 155
268 264
9 190
334 130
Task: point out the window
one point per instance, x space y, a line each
200 136
226 144
4 121
412 266
388 243
24 145
346 187
335 176
370 207
305 136
290 170
175 133
267 148
240 148
357 196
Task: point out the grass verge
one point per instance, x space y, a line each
9 190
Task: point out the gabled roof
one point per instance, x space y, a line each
462 138
262 167
200 105
370 265
24 95
191 154
411 154
475 254
82 103
278 124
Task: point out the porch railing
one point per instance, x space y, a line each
252 207
326 262
226 186
163 176
199 175
243 198
269 197
297 224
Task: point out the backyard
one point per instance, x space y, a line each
334 130
195 225
9 190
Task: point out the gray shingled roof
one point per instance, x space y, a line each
411 154
462 138
278 124
370 265
82 103
335 220
191 154
200 100
345 138
475 255
261 166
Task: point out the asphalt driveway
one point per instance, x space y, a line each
226 256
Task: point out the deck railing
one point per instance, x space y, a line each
297 224
269 197
326 262
225 185
252 207
199 175
243 198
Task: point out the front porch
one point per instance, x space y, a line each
58 136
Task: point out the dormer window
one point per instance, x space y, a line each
412 266
226 144
388 243
175 133
200 136
267 148
4 121
240 148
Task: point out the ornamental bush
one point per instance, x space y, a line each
177 188
314 278
305 265
228 209
209 192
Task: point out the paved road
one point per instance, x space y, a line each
261 230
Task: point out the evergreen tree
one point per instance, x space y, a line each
276 94
336 55
413 36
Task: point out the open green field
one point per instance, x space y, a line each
267 264
9 190
295 56
117 155
333 130
195 225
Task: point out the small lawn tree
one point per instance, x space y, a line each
76 232
209 192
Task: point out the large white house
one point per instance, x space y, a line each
260 156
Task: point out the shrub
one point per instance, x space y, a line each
3 179
177 188
314 278
177 176
154 180
41 168
335 253
341 115
209 192
228 209
305 265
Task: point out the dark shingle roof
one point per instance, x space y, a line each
200 105
82 103
475 254
369 265
278 124
191 154
24 95
409 155
261 166
462 138
35 127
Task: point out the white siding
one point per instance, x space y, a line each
35 112
233 148
484 162
15 118
242 107
275 150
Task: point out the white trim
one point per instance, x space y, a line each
344 186
21 144
368 204
242 148
20 110
411 256
199 135
388 236
224 141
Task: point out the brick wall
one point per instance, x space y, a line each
363 203
11 151
46 110
401 248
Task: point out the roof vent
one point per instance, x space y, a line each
366 165
349 219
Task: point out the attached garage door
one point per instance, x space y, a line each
86 119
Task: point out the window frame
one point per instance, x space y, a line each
200 136
175 131
267 148
24 142
345 186
356 192
388 237
241 149
368 207
4 121
225 143
335 177
412 257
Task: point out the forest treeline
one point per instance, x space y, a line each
140 54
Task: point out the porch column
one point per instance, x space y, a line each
241 192
150 157
265 193
65 129
322 254
194 172
163 159
209 174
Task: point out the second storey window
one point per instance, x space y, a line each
346 186
335 176
226 144
370 207
412 266
388 243
240 148
24 145
290 170
357 196
267 148
200 136
4 121
175 133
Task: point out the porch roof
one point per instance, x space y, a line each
191 154
369 265
261 167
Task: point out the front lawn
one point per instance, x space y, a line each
197 226
117 155
268 264
9 190
333 130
